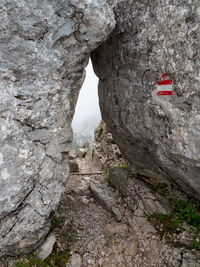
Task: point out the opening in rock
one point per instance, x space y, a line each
87 114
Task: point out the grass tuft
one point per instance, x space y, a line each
55 222
113 215
100 130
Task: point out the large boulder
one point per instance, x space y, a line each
162 133
44 48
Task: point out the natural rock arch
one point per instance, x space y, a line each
44 49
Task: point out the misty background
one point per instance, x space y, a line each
87 114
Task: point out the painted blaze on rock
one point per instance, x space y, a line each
164 87
156 132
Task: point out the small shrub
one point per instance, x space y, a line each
55 222
113 215
100 130
166 223
123 166
57 258
108 182
106 173
161 188
182 212
194 245
31 261
67 245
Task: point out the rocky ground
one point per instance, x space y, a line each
109 233
103 220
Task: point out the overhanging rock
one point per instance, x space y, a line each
159 132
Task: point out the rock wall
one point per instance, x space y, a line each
44 47
154 132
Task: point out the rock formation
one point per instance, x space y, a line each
105 219
44 47
162 133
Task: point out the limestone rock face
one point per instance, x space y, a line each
154 132
44 47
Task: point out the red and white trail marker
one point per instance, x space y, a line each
164 87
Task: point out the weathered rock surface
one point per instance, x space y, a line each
45 250
137 194
103 153
76 260
154 132
95 236
44 47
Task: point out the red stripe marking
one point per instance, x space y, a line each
165 82
164 93
164 75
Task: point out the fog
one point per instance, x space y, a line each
87 114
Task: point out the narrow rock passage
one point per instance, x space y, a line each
98 234
102 220
102 231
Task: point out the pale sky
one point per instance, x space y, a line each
87 108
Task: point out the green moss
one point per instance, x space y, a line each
182 212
